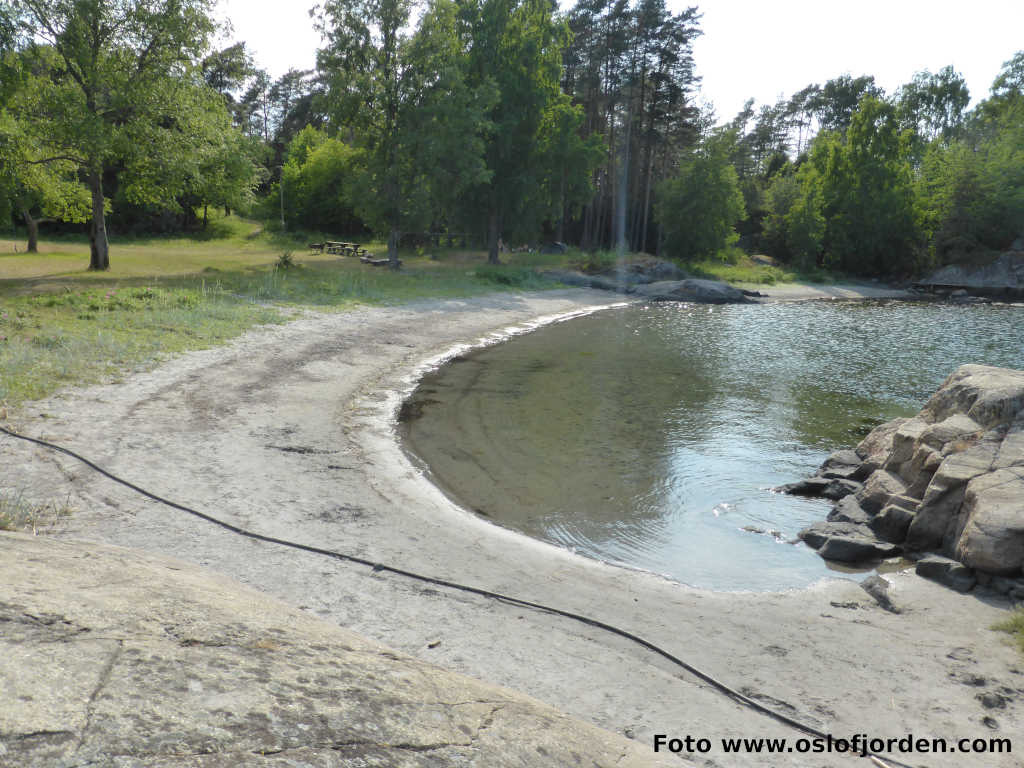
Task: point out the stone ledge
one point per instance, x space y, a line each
949 480
110 655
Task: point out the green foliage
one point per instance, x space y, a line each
36 179
1007 88
514 48
867 194
593 262
805 221
416 121
698 209
320 183
113 90
733 267
779 198
568 160
1014 625
851 206
511 276
971 195
933 104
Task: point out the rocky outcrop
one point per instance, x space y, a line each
692 290
654 280
114 657
1002 277
949 481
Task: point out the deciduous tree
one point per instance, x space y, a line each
404 100
118 59
697 209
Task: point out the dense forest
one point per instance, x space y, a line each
498 120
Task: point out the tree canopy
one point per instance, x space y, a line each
501 119
118 93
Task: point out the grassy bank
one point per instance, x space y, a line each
731 265
61 324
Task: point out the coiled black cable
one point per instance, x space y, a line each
384 568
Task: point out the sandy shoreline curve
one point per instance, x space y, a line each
289 431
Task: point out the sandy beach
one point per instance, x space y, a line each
289 431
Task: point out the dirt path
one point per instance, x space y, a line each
288 431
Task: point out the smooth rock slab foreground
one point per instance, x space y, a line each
113 657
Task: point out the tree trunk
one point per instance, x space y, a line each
33 230
206 218
393 237
493 232
588 223
560 231
647 199
99 248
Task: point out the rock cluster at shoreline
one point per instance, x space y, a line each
945 487
1002 277
655 280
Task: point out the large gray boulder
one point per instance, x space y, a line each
692 290
949 480
946 571
846 542
874 449
646 271
878 489
629 280
993 533
1004 275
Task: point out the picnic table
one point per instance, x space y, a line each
339 248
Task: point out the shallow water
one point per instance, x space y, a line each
650 436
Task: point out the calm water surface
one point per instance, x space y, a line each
650 436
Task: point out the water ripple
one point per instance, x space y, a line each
649 435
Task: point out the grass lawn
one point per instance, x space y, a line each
61 324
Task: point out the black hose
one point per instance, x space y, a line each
382 567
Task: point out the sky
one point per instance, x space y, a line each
755 48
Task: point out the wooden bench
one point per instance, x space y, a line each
377 262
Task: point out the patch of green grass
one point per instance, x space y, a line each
62 325
595 262
52 340
1014 625
511 275
19 514
734 266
